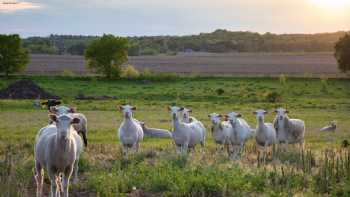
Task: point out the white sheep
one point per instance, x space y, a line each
195 124
154 132
57 149
81 127
221 131
184 135
332 126
130 132
241 131
265 132
289 131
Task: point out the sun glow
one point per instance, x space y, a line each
332 4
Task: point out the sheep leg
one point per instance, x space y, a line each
137 146
125 151
39 178
75 170
185 148
67 174
54 178
178 149
202 147
265 153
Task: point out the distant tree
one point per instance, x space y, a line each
77 49
342 53
13 57
107 54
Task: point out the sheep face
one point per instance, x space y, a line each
63 124
232 117
260 114
185 113
281 113
215 118
127 110
174 110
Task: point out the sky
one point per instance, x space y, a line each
171 17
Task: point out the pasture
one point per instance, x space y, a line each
323 169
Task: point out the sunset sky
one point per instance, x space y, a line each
165 17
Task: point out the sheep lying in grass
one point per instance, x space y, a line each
194 123
184 135
241 131
221 131
265 133
80 127
130 131
57 149
153 132
289 131
332 126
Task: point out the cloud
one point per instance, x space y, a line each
14 6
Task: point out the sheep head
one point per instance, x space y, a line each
127 110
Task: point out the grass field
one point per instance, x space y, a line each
323 169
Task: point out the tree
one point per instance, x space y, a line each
342 53
107 54
13 57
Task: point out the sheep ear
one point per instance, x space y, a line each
265 112
75 121
53 109
254 113
190 110
169 108
287 111
44 103
239 115
121 108
181 108
72 110
53 117
275 111
133 108
209 116
219 115
57 102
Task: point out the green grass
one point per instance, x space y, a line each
156 170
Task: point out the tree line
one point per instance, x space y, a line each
219 41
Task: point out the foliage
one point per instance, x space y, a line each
13 57
129 72
342 53
220 91
273 96
107 54
217 42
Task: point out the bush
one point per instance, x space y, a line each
220 91
130 72
67 73
273 97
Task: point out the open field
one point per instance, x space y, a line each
156 170
238 64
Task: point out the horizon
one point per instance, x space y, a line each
157 17
194 34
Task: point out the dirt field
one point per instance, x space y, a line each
243 64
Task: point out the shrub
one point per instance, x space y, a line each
220 91
67 73
130 72
273 97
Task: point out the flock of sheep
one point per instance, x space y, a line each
58 145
